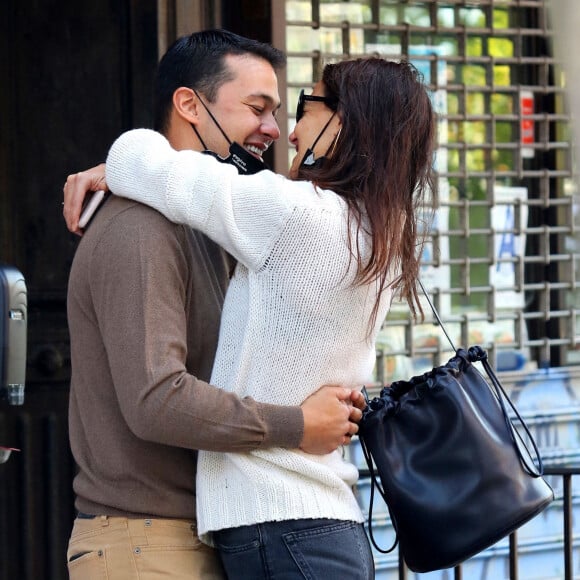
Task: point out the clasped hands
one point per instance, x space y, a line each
331 417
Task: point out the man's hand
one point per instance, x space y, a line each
75 190
331 415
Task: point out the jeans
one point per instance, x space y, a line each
114 548
295 549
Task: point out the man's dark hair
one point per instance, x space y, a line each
197 61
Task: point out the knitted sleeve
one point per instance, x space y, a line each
243 214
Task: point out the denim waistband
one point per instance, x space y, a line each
83 516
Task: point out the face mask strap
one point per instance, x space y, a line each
308 158
212 118
198 135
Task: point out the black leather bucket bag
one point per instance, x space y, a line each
453 470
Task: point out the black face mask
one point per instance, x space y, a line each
309 161
239 157
243 160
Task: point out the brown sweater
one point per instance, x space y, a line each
144 302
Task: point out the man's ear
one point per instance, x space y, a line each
186 104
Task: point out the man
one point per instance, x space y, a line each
144 304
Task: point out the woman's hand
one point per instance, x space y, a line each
76 189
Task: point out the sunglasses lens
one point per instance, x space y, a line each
300 106
317 99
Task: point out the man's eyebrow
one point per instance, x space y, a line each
273 102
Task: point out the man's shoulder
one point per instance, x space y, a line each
120 218
131 228
118 210
122 227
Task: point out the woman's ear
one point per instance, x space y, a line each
185 103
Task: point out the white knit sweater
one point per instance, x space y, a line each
292 319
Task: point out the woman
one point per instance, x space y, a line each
320 258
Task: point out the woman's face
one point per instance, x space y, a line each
315 115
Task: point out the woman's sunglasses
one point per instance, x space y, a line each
328 101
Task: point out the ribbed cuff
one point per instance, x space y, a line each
284 426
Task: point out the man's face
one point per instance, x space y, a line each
245 108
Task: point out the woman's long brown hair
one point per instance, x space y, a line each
382 166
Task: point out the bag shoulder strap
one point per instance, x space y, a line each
502 397
376 483
436 314
479 354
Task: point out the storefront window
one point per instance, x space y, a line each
503 234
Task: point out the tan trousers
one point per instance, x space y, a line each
111 548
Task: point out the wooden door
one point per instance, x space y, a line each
73 75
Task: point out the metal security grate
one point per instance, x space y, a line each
503 253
